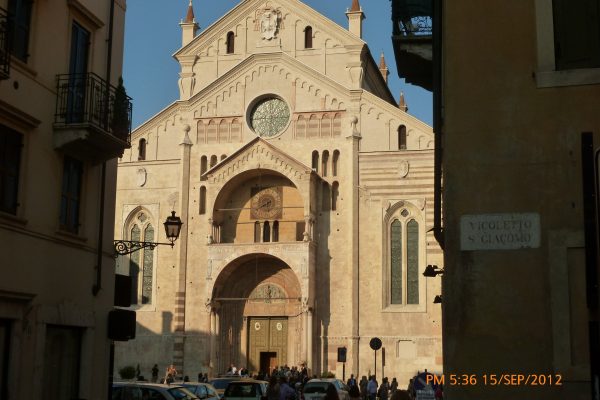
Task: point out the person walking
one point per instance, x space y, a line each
351 381
383 389
393 386
363 387
354 393
273 391
372 388
155 373
285 391
170 374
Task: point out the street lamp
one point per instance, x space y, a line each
172 228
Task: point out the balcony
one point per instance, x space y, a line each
4 45
412 37
92 119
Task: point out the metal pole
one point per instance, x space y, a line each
344 372
375 365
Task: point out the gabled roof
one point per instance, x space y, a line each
254 142
239 12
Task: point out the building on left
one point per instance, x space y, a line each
63 122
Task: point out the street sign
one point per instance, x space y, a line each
342 354
375 343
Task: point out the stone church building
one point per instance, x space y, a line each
306 195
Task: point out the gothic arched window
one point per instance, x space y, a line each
230 42
142 149
257 232
335 193
402 137
404 245
202 200
141 262
308 37
275 234
315 161
203 165
324 162
266 232
334 162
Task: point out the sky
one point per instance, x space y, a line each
153 34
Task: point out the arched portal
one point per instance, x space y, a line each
262 196
258 320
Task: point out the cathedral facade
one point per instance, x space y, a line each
306 197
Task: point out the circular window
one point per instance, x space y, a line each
269 116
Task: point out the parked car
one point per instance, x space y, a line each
150 391
204 391
315 389
221 383
245 389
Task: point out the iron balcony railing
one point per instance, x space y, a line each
4 44
88 100
412 17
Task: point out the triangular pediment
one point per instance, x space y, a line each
258 154
291 11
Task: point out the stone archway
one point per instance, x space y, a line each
259 315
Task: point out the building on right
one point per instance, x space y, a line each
516 94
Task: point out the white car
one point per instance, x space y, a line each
150 391
315 389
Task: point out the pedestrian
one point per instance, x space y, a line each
411 388
170 374
372 388
273 389
354 393
285 391
393 386
363 387
155 373
383 389
351 381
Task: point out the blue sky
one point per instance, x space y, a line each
152 35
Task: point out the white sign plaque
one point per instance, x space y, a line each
499 231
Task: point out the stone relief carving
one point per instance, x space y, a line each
403 168
269 23
141 176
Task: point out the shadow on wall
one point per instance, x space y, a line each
150 347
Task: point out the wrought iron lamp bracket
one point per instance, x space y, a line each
124 247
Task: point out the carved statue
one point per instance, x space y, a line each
269 22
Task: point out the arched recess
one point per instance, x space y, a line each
248 292
236 208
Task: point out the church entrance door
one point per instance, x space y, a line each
268 342
268 361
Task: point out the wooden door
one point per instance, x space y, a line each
267 342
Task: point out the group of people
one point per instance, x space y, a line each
371 390
284 383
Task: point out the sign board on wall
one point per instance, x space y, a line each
500 231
